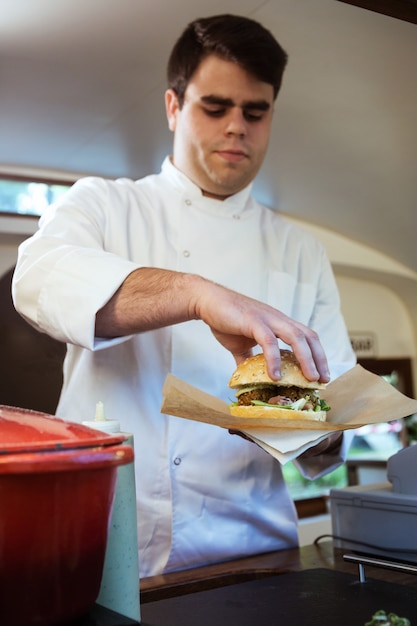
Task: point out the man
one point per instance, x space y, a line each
141 278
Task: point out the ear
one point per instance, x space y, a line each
172 108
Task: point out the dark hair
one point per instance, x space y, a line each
233 38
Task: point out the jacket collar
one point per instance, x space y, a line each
235 203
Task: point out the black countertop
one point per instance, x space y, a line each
100 616
308 598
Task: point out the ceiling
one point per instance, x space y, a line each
82 84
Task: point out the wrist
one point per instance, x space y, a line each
201 290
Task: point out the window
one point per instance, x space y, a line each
374 443
23 196
301 488
383 440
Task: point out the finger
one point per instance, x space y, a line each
239 433
242 356
306 347
320 359
242 435
272 355
312 359
294 336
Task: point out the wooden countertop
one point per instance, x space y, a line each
322 555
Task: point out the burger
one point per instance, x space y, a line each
291 397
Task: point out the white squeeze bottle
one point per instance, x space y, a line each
119 589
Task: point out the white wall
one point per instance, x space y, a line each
378 294
371 307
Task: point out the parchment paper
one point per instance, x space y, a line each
357 398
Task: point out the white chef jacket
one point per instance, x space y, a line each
203 495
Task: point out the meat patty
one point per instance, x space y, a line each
265 393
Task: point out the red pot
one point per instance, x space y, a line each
57 482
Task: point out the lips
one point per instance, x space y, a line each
233 156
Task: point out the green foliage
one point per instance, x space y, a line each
380 618
300 487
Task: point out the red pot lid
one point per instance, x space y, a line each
24 430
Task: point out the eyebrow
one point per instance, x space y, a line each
260 105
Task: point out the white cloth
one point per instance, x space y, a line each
203 494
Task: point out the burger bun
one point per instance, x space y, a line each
276 413
254 371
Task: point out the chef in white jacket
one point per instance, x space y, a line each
184 272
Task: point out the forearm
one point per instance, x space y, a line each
149 298
152 298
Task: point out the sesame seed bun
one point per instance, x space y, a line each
253 371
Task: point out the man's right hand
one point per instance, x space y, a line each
239 323
153 298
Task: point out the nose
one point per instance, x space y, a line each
236 123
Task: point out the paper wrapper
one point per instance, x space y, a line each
357 398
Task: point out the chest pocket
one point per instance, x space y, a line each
295 299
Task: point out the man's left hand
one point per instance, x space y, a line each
330 445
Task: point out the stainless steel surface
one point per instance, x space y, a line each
391 565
